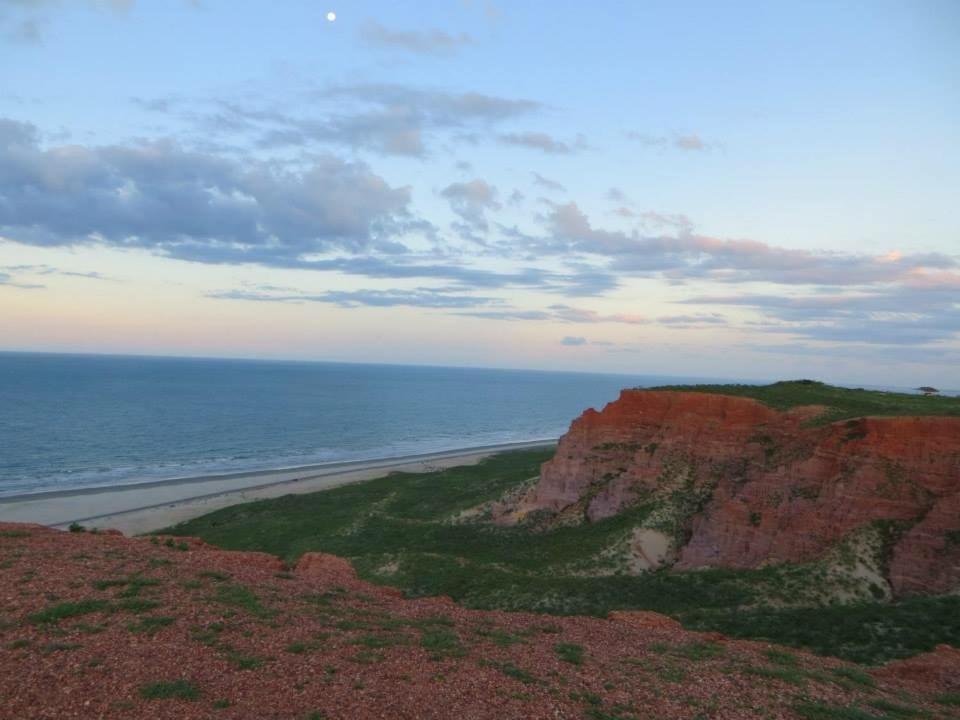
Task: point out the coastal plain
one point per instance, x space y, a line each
143 507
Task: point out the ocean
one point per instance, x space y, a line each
75 421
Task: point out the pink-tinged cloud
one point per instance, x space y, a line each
921 278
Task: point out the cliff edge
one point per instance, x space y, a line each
732 482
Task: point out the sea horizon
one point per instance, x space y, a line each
82 420
76 421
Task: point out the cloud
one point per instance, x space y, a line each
8 280
509 315
25 21
690 142
692 321
471 200
421 42
192 205
573 341
48 270
894 315
687 255
560 313
419 297
565 313
444 108
946 355
544 142
547 183
388 119
25 31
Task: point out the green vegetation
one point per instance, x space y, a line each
150 625
132 586
841 403
818 711
570 653
137 605
181 689
863 632
11 534
952 699
441 642
512 671
428 535
241 597
63 611
895 710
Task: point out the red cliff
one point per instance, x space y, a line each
735 483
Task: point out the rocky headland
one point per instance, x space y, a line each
732 482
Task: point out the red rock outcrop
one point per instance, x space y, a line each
336 569
644 619
747 485
936 670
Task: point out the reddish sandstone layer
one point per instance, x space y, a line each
776 491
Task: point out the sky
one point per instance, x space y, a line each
759 190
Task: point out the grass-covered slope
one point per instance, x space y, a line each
415 531
841 403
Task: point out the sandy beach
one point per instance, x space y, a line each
144 507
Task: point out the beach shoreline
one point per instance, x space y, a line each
142 507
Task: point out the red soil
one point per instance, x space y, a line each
318 642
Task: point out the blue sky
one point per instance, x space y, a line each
741 189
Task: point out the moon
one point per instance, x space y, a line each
331 16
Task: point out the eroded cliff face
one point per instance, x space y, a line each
734 483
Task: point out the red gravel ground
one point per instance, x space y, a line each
90 624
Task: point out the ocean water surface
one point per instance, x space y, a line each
72 421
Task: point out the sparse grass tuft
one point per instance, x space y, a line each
63 611
214 575
895 710
243 662
951 699
856 675
150 625
819 711
700 650
238 596
512 671
180 689
137 605
569 652
784 674
781 657
441 642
